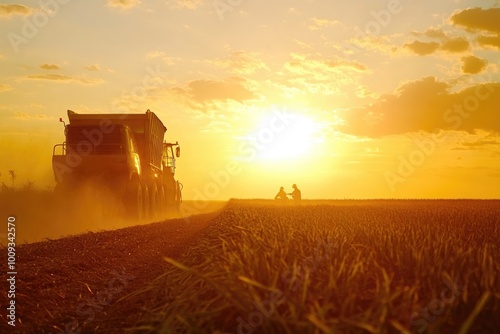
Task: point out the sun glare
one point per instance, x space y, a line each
285 137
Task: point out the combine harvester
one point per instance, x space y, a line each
124 152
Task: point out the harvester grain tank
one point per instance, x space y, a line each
126 153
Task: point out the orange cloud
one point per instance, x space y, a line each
422 48
93 67
493 41
64 78
241 62
427 105
123 4
434 33
188 4
459 44
5 88
478 19
451 45
317 24
480 143
49 67
30 117
473 64
207 90
9 10
312 73
307 64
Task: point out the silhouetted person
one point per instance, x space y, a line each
281 195
296 195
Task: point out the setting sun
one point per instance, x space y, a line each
293 137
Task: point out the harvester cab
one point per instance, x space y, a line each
169 157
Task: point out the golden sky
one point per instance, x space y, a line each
358 99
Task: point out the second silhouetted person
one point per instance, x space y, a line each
296 194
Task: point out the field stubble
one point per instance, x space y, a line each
338 267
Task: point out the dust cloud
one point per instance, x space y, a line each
46 214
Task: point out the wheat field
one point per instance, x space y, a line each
334 267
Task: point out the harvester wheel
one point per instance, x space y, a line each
134 201
145 202
169 200
178 196
162 205
153 201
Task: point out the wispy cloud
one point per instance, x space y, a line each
5 88
7 10
156 54
305 63
207 90
30 117
97 68
431 33
316 74
187 4
316 24
123 4
49 67
240 62
477 141
93 67
64 78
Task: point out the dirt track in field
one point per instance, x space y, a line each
74 284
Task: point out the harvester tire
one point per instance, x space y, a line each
170 200
134 201
178 196
153 200
162 205
145 202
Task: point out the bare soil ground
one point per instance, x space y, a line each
74 284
